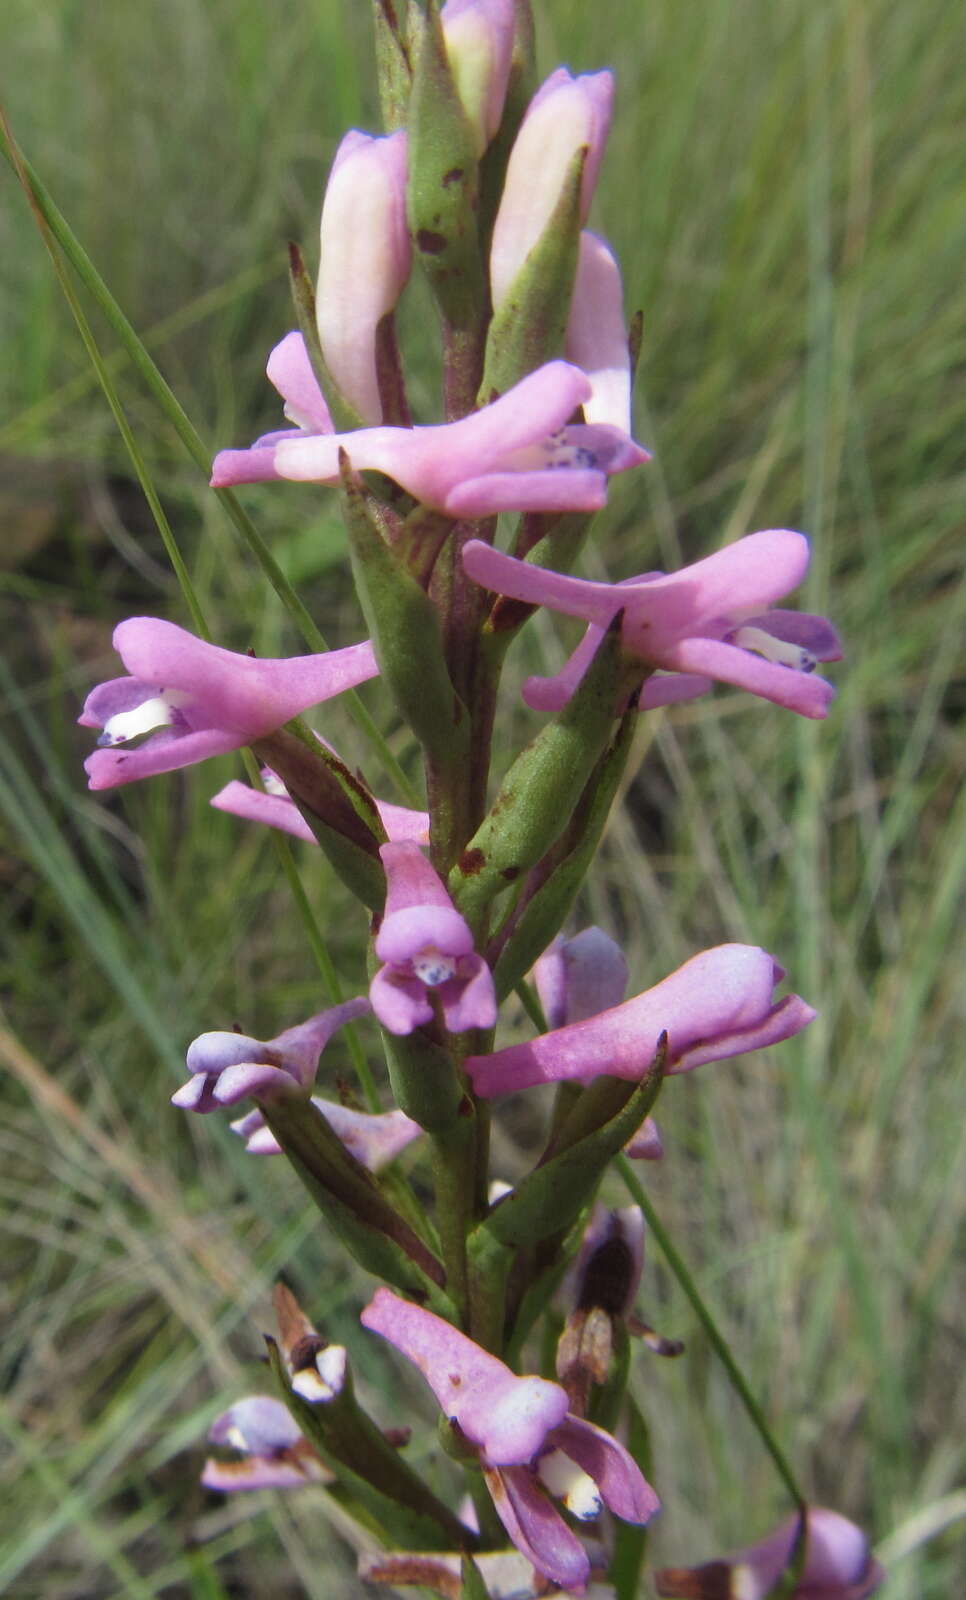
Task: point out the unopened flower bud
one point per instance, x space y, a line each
365 261
479 47
566 115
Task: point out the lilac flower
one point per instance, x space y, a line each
712 618
426 946
719 1004
566 115
196 700
577 978
277 810
375 1138
274 1454
227 1067
479 48
597 335
838 1565
527 1441
364 260
517 454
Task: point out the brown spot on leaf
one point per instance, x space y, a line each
430 243
454 175
472 862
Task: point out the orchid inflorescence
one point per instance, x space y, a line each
486 180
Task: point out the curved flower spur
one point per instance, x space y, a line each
528 1443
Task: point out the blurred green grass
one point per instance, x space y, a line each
785 189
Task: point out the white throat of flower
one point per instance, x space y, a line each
765 644
160 711
571 1484
432 967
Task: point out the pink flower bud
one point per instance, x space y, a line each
566 115
597 334
365 259
479 46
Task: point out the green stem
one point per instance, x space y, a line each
717 1340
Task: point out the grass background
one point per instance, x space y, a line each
785 188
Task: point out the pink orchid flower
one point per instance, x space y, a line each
719 1004
527 1441
196 700
713 618
426 947
518 454
838 1565
227 1067
273 1454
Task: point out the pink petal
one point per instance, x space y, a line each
254 806
647 1144
258 1424
553 489
815 634
261 1472
161 752
411 881
783 1021
597 334
374 1138
566 115
399 1001
622 1484
578 977
803 692
506 1416
431 462
251 1077
365 256
537 1529
290 370
256 465
469 999
713 1000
